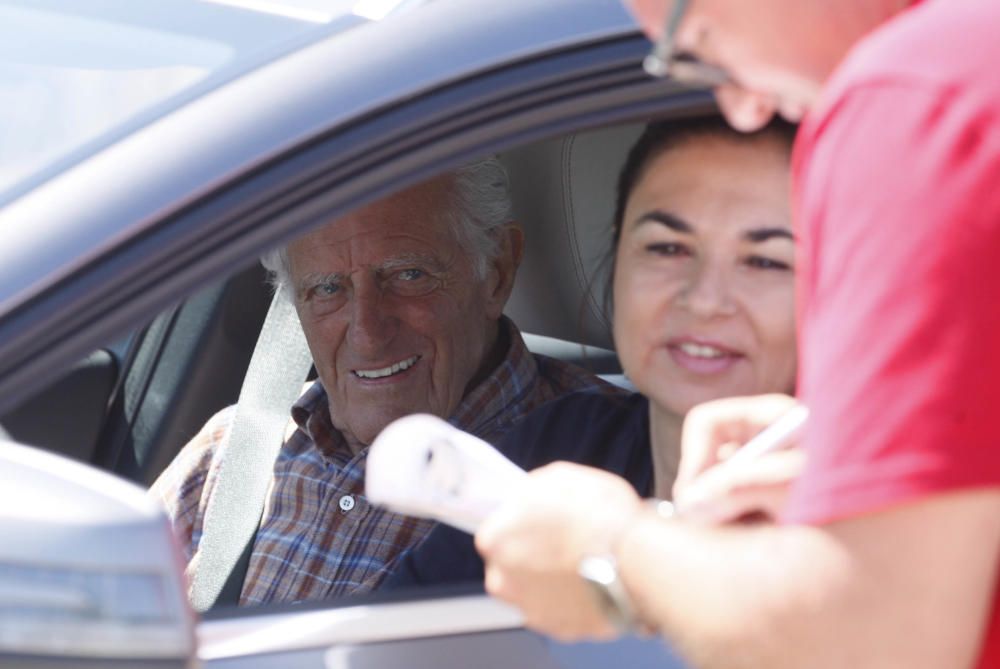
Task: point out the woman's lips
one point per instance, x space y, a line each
702 358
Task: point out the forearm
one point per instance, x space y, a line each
721 595
857 594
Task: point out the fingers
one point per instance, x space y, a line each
563 608
558 495
714 429
533 544
759 488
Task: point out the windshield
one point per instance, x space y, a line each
72 70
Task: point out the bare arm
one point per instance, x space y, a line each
906 587
910 586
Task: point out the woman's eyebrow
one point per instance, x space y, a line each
764 234
674 223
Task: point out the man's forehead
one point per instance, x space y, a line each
348 245
381 237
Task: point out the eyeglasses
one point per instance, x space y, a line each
685 68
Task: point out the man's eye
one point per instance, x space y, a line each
411 274
667 249
327 289
412 282
760 262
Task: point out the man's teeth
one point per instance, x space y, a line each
702 351
387 371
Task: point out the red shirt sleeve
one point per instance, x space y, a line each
898 202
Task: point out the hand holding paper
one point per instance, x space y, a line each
422 466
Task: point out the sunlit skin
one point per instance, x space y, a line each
391 284
704 281
779 52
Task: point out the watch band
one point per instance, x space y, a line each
600 572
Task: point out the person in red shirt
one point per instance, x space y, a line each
884 549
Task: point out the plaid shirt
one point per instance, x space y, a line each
319 537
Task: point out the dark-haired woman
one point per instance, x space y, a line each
703 308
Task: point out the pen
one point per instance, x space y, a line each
776 436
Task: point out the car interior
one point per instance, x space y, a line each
131 407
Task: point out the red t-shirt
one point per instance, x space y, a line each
897 182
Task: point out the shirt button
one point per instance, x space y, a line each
346 503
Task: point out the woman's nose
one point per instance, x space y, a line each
707 293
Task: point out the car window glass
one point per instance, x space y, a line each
81 69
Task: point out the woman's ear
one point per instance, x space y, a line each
502 270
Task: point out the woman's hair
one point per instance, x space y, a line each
662 136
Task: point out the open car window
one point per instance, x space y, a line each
166 248
146 401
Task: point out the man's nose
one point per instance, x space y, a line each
745 110
707 293
371 326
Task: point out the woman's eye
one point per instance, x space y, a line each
759 262
667 249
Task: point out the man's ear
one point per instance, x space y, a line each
503 269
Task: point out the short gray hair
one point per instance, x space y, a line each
480 206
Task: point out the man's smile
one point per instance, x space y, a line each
388 370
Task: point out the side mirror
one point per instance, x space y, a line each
90 573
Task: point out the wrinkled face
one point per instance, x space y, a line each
780 52
703 285
396 320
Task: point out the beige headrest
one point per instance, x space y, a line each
564 197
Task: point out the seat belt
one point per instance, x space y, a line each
233 587
277 370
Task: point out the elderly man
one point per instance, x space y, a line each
889 542
401 303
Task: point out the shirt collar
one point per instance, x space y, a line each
503 390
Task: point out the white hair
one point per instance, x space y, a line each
479 207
